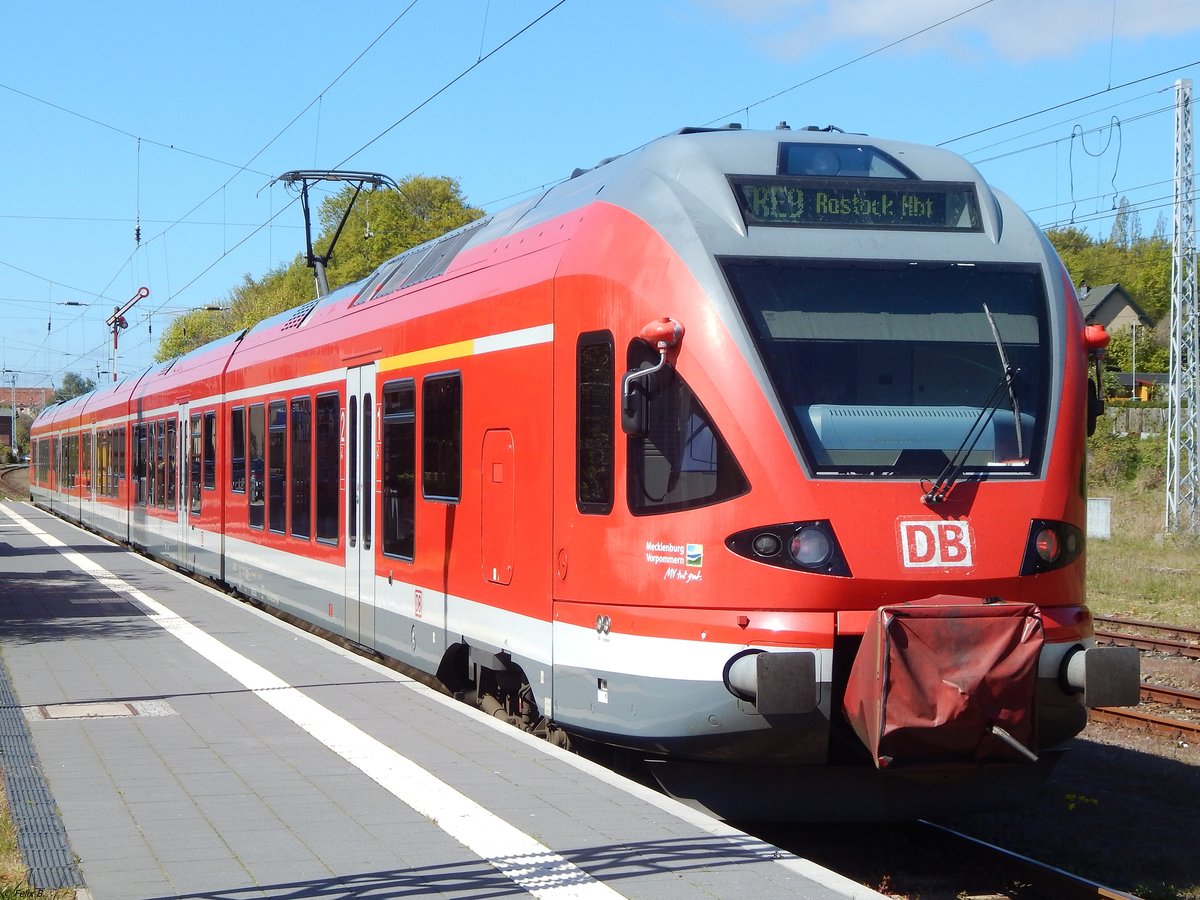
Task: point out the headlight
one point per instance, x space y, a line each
810 547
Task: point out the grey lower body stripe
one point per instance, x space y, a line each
41 836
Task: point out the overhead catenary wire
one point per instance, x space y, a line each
243 168
240 168
273 220
391 127
908 37
457 78
1172 71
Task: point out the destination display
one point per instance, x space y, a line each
858 203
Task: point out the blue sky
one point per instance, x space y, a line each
225 96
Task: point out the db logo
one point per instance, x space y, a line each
935 545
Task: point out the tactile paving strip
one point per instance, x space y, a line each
40 833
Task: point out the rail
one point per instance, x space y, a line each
1176 640
1155 637
1171 697
1178 729
1043 879
14 482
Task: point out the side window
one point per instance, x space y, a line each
328 414
368 454
258 439
195 447
172 461
352 470
210 449
680 461
120 460
139 461
594 412
277 465
301 465
157 463
399 468
100 485
441 437
237 450
85 461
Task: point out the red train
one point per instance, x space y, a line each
761 453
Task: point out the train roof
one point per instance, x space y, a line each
691 165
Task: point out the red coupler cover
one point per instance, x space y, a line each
933 677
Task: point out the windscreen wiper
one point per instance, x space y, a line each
939 490
1010 377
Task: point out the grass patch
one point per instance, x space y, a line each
1140 572
13 874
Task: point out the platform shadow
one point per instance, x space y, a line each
479 880
65 603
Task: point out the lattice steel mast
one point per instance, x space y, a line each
1183 400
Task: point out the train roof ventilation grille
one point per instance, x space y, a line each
420 263
297 318
442 253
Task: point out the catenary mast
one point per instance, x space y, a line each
1183 400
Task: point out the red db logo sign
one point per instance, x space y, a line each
936 544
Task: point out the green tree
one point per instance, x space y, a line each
24 423
1142 266
73 384
1148 276
191 330
1126 227
385 223
1152 356
6 452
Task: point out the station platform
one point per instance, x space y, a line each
160 739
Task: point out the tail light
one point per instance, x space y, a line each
1051 545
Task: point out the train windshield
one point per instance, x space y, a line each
898 369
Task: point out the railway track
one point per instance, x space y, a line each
1164 710
14 482
1179 729
1181 723
1036 878
1175 640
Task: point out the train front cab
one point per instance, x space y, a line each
815 461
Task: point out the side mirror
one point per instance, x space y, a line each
1096 339
635 402
1095 407
664 335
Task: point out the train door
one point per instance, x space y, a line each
181 460
588 533
586 438
360 506
88 467
498 506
